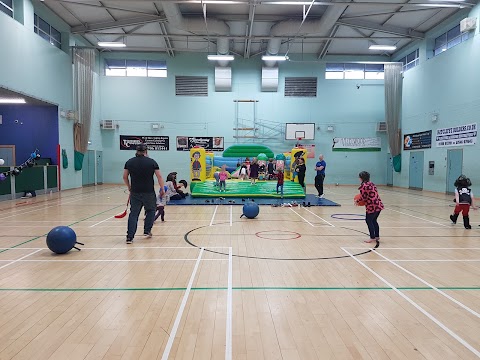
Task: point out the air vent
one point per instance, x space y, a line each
191 85
382 126
108 125
301 86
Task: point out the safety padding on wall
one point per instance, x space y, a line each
198 164
297 153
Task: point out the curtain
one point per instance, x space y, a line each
393 107
83 65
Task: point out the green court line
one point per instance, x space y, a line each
239 288
76 222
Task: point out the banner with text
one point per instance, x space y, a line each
357 144
420 140
457 136
154 143
185 143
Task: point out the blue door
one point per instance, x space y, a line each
99 167
7 153
389 170
416 170
454 168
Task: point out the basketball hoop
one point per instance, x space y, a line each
298 144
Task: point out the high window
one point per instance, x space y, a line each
410 61
142 68
47 32
449 39
354 71
6 6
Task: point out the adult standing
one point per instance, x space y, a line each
301 169
141 169
320 177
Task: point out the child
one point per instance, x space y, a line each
222 177
464 199
373 205
294 168
280 181
161 203
243 172
254 171
270 169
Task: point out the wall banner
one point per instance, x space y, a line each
185 143
457 136
357 144
420 140
154 143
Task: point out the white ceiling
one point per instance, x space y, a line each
143 25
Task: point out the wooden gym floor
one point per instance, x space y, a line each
295 283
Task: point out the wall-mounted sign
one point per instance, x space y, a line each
357 144
154 143
185 143
457 136
420 140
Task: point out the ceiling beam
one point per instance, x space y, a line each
249 30
324 50
386 29
163 30
108 7
381 13
254 37
426 4
83 29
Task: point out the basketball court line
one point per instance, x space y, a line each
425 260
319 217
17 260
213 216
231 215
412 248
121 248
416 217
229 325
173 333
98 223
418 307
429 285
57 204
308 222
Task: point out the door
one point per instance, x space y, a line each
454 168
88 169
99 167
7 153
389 170
416 170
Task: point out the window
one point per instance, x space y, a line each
46 31
141 68
449 39
354 71
6 6
410 61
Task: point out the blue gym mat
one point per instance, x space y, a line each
309 198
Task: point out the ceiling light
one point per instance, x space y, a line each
220 57
111 44
382 47
274 57
12 101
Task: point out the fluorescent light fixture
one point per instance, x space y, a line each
274 57
289 3
12 101
111 44
221 57
382 47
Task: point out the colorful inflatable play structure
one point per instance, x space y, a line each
205 168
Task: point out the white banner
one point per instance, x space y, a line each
357 144
457 135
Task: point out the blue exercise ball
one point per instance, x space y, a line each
250 210
61 239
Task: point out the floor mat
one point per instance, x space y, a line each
309 198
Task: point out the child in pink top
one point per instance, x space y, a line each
223 176
373 205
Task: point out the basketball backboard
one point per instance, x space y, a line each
304 131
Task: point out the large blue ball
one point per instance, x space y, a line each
61 239
251 210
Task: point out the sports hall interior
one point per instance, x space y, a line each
80 81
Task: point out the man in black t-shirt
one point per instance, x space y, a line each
141 169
